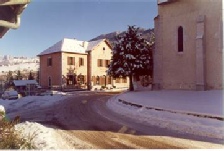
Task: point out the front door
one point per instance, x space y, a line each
71 79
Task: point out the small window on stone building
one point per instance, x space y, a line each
180 39
107 63
49 81
97 80
100 63
124 79
71 60
81 61
81 79
109 80
118 80
49 61
104 48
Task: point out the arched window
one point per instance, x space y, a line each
81 79
97 80
109 79
180 39
49 81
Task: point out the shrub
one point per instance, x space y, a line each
9 138
103 87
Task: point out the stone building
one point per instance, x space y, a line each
189 45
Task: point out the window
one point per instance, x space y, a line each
81 61
49 61
124 79
97 80
107 63
109 80
117 80
71 60
104 48
71 79
100 62
180 39
81 79
49 81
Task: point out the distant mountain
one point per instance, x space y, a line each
146 33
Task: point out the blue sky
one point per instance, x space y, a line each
45 23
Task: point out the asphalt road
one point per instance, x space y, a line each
84 121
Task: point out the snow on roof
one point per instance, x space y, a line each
55 48
24 82
66 45
92 44
71 45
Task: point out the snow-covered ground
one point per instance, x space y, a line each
206 103
44 137
30 102
202 102
48 138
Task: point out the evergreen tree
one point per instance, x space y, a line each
131 56
9 80
38 76
19 76
30 76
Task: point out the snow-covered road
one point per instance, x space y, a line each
49 137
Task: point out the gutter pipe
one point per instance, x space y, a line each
8 24
14 2
11 25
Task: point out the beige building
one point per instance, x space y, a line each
189 45
78 64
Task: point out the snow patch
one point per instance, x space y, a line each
179 122
41 137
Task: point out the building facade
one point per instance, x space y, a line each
189 45
78 64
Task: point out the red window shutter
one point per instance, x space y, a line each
104 63
85 81
109 79
68 63
73 60
98 62
108 63
94 80
102 81
83 61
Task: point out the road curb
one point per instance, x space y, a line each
170 111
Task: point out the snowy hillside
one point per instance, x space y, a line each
10 63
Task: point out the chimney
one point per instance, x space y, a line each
84 44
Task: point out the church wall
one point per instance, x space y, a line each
177 70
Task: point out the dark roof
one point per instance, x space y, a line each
24 82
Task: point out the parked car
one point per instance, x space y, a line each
10 95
